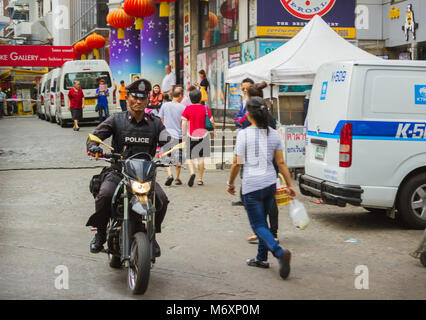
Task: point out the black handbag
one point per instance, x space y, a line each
97 108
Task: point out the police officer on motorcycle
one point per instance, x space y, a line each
132 132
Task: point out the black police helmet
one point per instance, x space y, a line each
140 88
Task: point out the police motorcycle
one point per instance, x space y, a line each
131 229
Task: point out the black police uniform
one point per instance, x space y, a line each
132 137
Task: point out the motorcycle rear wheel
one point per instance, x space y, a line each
140 264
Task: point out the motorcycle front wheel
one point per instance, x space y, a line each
140 263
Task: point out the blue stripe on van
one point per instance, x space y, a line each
379 130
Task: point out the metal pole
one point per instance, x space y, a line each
223 127
271 99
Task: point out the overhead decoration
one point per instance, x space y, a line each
139 9
164 7
229 9
212 20
77 53
95 42
83 49
119 19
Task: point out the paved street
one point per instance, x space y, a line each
43 211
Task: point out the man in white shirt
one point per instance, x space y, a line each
171 116
169 81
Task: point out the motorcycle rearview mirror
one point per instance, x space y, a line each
95 139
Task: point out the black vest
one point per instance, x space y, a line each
137 137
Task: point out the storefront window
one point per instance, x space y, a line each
218 22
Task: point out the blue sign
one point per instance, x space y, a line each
420 94
324 90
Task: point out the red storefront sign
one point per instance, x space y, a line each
35 56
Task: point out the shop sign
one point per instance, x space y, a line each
172 21
35 56
234 56
266 47
187 23
285 18
248 51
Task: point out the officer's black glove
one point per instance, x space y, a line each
95 150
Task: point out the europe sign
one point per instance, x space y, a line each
35 56
285 18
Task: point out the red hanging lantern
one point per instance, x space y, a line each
82 49
212 20
164 7
139 9
95 42
77 53
119 19
229 9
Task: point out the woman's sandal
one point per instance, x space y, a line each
178 182
257 263
253 239
200 183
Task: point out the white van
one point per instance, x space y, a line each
50 107
87 72
366 132
40 96
47 95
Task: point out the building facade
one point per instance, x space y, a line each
216 35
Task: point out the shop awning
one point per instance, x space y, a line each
297 61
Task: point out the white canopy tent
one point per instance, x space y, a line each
297 61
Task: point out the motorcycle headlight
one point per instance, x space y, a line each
141 188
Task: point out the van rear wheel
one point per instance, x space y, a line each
411 203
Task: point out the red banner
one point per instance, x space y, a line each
35 56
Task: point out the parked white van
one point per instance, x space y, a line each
47 94
50 108
40 96
87 72
366 133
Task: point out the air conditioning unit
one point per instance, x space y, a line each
23 29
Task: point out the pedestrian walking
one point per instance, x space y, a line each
122 96
169 81
171 116
155 100
102 94
203 86
76 104
186 101
2 103
14 104
256 90
256 147
197 137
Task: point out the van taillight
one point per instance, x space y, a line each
42 100
62 100
52 100
345 151
114 97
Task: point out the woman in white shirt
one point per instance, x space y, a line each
256 147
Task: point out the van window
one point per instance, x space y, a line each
48 86
88 80
53 88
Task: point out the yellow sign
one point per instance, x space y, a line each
394 13
290 32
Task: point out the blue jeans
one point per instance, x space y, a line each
104 110
258 204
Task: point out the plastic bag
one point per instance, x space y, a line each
298 214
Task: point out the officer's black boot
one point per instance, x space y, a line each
97 243
157 250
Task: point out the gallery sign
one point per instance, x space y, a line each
285 18
35 56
